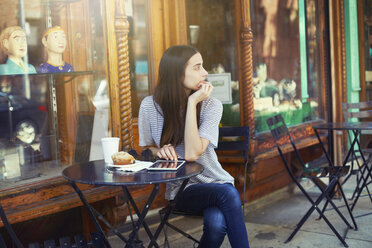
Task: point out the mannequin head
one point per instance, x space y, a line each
54 39
13 42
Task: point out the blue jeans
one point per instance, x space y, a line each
221 208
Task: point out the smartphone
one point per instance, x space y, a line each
166 165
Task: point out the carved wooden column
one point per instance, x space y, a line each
122 30
246 85
343 51
338 70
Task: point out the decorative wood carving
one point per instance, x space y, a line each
341 141
338 52
246 82
122 30
343 50
324 56
246 39
339 88
247 78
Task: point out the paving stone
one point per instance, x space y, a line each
272 219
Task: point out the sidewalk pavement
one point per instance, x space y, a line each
271 219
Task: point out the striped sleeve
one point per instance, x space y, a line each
144 123
210 118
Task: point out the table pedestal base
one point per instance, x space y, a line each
132 241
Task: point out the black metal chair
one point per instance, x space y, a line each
362 111
236 139
2 242
230 139
64 242
284 141
9 229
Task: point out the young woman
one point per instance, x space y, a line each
181 120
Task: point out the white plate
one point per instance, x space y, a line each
124 166
138 165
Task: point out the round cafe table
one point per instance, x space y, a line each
98 174
365 171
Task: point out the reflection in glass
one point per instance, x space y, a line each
194 34
138 54
277 60
211 29
51 120
367 19
314 62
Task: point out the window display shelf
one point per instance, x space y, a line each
54 84
72 75
55 100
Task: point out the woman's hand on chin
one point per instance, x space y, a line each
203 93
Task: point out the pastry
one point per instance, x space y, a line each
122 158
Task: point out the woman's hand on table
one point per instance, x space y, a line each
167 152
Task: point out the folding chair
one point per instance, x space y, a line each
236 139
65 242
2 242
362 111
284 141
231 139
9 229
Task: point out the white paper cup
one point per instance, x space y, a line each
110 145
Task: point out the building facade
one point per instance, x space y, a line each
300 58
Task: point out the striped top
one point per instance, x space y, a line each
150 126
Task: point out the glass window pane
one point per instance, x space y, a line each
54 106
314 59
279 64
211 29
138 54
367 4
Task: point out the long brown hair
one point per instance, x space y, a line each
170 93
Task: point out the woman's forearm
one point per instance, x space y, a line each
194 144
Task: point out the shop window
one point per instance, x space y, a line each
287 61
54 106
211 29
138 54
366 32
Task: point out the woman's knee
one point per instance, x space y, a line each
230 195
214 222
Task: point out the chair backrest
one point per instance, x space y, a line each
2 242
360 110
240 143
283 138
9 228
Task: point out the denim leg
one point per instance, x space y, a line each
214 229
199 197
